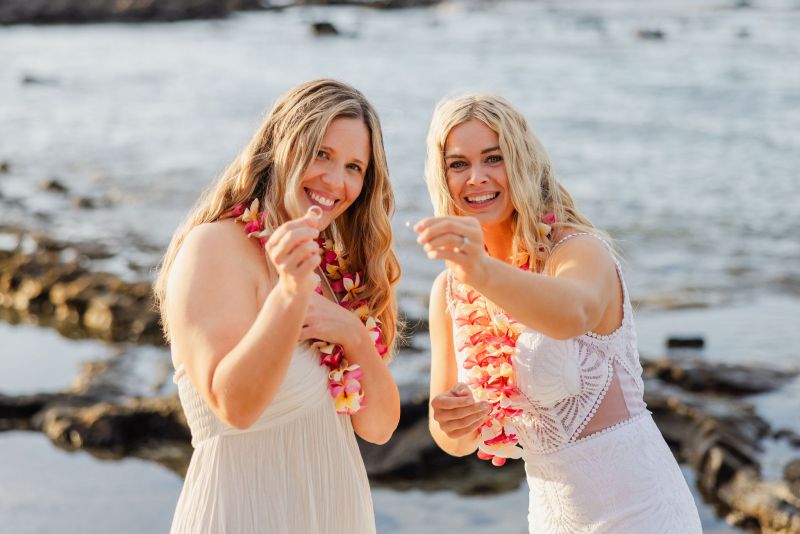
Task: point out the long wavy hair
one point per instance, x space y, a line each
271 167
534 188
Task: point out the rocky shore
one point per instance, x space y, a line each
89 11
43 281
701 408
719 436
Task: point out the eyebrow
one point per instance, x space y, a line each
484 151
355 160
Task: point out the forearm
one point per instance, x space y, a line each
553 306
463 446
247 378
378 420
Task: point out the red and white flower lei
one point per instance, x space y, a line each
343 378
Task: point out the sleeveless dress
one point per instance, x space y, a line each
621 478
296 470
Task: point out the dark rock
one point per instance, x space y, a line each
52 185
411 459
721 439
676 342
324 29
82 11
41 288
699 375
29 79
83 203
5 167
791 474
649 34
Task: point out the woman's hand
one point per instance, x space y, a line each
458 241
457 413
330 322
295 253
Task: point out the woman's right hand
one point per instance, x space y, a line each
293 250
457 412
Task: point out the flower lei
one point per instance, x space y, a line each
343 378
489 343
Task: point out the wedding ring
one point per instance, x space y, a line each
316 211
464 243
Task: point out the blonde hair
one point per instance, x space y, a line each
271 167
533 187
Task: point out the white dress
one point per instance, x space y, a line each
296 470
621 479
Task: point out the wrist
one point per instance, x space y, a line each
291 293
358 342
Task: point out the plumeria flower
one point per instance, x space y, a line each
345 388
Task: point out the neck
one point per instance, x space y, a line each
498 239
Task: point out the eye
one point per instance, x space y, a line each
458 164
494 158
355 167
322 154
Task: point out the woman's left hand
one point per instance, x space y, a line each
458 241
330 322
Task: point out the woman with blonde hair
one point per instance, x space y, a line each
281 321
532 334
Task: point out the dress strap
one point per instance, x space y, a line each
448 292
578 234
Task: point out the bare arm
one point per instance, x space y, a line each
235 349
453 416
575 296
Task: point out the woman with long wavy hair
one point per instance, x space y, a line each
532 335
277 299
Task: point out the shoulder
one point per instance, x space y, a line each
215 249
578 248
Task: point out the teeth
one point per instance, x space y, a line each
322 200
482 198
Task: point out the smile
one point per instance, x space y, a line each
320 200
482 198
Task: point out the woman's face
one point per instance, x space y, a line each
476 173
336 176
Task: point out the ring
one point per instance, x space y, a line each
464 243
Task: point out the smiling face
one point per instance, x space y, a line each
335 177
476 173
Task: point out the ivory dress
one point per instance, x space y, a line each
620 479
296 470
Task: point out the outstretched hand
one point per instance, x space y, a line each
459 241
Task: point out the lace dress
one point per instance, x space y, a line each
296 470
594 458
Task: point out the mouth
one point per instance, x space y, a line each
325 202
480 200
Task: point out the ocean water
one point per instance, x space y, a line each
686 149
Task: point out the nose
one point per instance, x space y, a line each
334 176
477 176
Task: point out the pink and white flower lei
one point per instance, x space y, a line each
343 378
489 343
